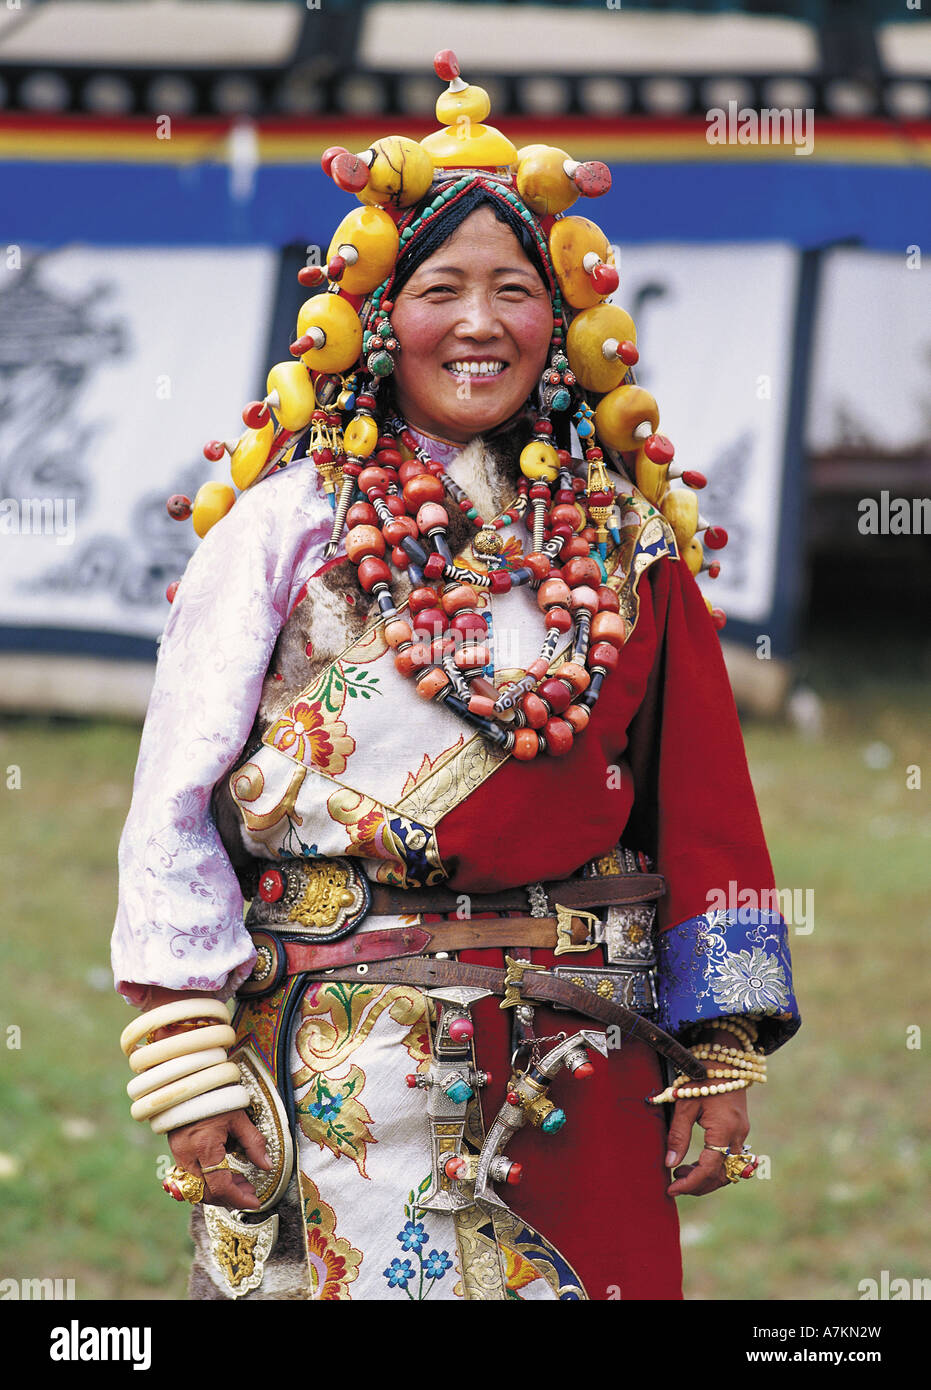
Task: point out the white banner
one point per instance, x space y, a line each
117 366
715 333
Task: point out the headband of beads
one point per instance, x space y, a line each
345 342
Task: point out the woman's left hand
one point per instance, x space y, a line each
725 1122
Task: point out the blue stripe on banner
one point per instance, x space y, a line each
806 205
72 641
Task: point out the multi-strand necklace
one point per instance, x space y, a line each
443 644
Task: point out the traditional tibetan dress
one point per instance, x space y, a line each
281 745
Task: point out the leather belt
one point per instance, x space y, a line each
524 981
608 890
282 955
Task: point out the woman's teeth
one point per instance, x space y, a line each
490 368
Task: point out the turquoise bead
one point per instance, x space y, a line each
561 400
459 1092
554 1121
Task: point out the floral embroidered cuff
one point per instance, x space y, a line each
733 962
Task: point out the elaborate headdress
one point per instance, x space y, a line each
338 389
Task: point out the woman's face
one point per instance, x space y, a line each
474 323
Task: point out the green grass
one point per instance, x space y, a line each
840 1119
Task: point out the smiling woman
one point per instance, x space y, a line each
415 751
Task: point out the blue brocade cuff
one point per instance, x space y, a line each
734 962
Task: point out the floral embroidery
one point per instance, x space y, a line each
414 1237
336 1019
312 735
728 961
749 980
333 1261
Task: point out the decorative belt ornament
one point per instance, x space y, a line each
320 898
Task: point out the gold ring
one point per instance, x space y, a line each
184 1186
740 1164
217 1166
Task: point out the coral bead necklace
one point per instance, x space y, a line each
443 645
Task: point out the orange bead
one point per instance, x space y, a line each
397 631
463 596
559 618
480 704
431 683
558 735
526 745
584 597
574 547
609 627
578 716
574 675
538 564
538 668
553 591
535 711
362 541
422 488
581 570
467 658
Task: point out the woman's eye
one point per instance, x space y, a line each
521 289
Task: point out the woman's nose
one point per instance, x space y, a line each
478 318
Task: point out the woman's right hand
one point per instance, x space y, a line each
205 1143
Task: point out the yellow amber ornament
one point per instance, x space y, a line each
211 504
340 323
466 142
651 478
371 233
680 508
623 410
571 239
694 555
360 436
400 173
587 334
542 181
539 462
248 459
292 395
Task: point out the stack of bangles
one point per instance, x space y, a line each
737 1068
186 1074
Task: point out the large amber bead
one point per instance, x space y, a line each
296 399
539 462
250 456
375 237
360 436
620 412
211 504
400 173
542 182
570 241
587 333
340 322
680 508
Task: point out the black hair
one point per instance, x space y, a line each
452 216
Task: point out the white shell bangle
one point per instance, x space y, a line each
202 1108
178 1011
173 1070
181 1044
186 1088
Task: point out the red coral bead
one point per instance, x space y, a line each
373 477
361 514
608 601
422 488
271 886
556 695
526 747
605 279
559 618
373 571
574 548
179 506
398 528
558 735
601 654
500 581
659 449
468 623
535 711
422 598
431 622
172 590
581 570
434 567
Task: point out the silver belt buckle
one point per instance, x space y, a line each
634 986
